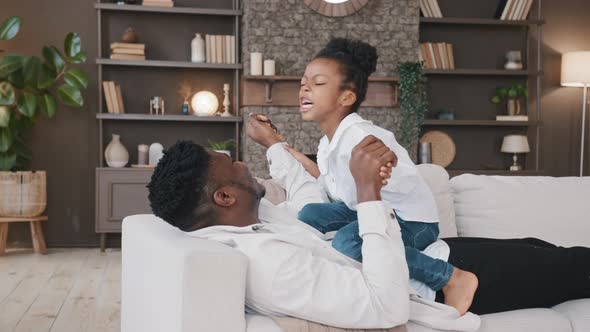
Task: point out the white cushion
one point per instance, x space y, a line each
556 210
578 312
438 180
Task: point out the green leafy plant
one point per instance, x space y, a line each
29 86
512 92
222 145
412 101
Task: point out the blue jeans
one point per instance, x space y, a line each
327 217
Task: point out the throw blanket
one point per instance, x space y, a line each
290 324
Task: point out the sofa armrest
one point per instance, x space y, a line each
173 282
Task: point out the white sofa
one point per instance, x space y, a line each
175 283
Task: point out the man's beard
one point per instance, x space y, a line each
258 194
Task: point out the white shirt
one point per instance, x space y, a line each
406 191
293 272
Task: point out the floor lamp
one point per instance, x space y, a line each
575 72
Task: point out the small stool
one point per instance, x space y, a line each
36 232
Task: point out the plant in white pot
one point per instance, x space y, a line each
223 146
28 88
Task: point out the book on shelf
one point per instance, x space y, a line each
127 57
435 8
437 55
120 45
130 51
523 118
220 49
514 9
425 9
158 3
113 97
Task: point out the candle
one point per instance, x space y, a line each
142 154
255 63
269 68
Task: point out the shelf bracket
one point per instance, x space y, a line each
268 91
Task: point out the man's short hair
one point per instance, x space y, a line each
179 184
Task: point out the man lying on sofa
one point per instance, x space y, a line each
293 271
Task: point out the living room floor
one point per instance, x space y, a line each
66 290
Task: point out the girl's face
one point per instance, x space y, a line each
321 94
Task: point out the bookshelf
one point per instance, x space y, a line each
479 44
167 33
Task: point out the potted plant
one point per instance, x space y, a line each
29 86
512 95
413 103
223 146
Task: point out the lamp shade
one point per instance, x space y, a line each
204 103
575 69
515 144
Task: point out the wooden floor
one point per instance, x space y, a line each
77 290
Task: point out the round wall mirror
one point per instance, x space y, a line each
336 8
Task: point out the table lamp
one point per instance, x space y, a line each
515 144
575 72
204 103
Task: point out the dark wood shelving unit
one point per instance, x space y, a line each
168 10
149 117
479 44
164 64
480 72
478 21
167 33
483 123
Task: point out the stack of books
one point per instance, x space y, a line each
430 8
514 9
113 97
127 51
158 3
220 49
437 55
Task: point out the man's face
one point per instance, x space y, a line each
224 171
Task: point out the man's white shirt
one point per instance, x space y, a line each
293 271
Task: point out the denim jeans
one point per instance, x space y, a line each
327 217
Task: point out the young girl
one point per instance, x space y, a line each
332 89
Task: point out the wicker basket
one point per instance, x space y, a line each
23 194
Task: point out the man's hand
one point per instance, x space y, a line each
262 131
308 164
365 166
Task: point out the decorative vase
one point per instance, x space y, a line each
156 152
227 152
115 154
511 107
23 194
130 36
198 49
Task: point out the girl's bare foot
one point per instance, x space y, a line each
460 290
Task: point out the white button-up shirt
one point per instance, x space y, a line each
406 191
291 271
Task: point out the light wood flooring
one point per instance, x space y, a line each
68 290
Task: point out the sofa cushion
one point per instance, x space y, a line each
438 180
578 312
552 209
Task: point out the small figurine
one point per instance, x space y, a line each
226 100
157 105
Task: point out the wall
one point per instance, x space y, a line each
291 33
64 146
567 24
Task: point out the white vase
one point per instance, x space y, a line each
115 154
198 49
227 152
156 152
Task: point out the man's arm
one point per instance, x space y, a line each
377 296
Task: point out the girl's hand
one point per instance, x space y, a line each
385 173
308 164
262 132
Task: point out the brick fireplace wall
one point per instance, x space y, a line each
291 33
